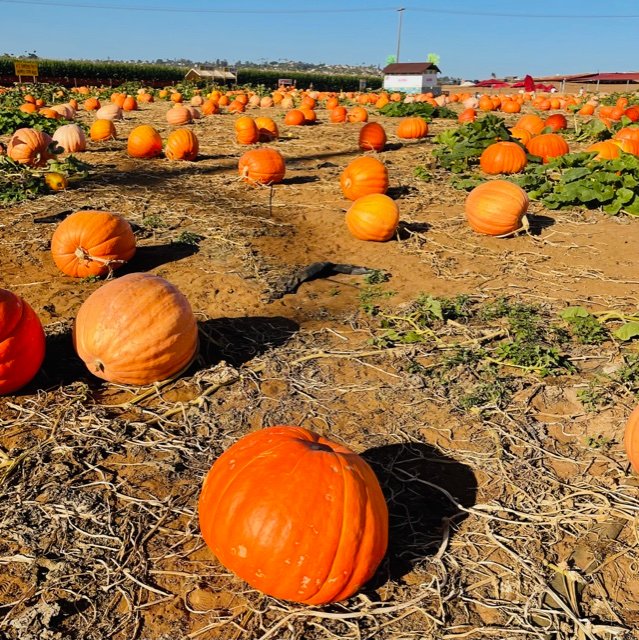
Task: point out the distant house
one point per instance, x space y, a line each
411 77
210 75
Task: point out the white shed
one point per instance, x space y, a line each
211 75
411 77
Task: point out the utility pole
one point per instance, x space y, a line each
399 31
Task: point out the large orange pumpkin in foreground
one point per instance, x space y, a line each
363 176
92 243
373 217
264 166
22 342
295 515
136 329
496 208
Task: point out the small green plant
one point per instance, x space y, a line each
187 237
91 279
595 396
369 299
421 173
376 276
598 442
154 222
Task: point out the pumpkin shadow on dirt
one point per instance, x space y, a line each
147 258
61 364
300 180
238 340
406 229
538 223
420 513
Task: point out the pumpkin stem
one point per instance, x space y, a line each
525 226
82 254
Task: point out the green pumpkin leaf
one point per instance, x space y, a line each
627 331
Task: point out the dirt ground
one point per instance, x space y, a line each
513 517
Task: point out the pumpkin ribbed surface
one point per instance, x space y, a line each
144 142
22 342
30 147
502 157
295 515
92 243
496 207
372 137
363 176
547 145
264 165
373 217
412 128
182 144
136 329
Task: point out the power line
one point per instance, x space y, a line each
451 12
86 5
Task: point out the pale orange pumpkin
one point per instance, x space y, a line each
496 208
71 138
136 329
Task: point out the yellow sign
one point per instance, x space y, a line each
26 68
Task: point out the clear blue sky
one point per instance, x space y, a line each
508 39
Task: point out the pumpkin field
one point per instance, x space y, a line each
443 290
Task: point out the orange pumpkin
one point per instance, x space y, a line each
102 130
22 342
631 439
363 176
255 517
547 145
136 329
523 135
606 150
373 217
628 146
91 104
144 142
92 243
178 115
130 104
412 128
264 166
372 137
357 114
627 133
532 123
557 122
182 144
502 157
294 118
496 208
267 129
30 147
246 131
338 114
467 115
